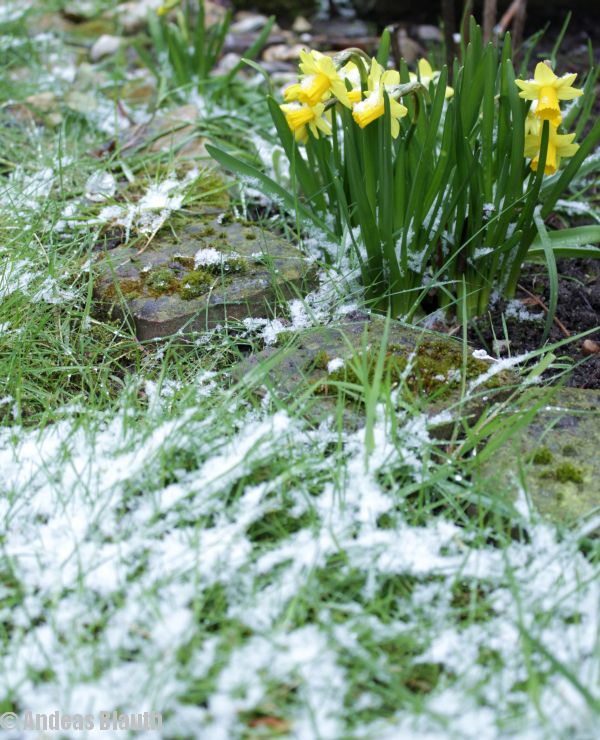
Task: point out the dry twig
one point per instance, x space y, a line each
539 302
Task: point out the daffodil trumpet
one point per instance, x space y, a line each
304 118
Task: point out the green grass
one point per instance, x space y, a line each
175 539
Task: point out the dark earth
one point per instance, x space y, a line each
578 311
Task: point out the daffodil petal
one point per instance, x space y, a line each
532 145
544 75
323 126
374 75
424 68
397 110
566 80
390 77
529 89
568 93
291 92
339 90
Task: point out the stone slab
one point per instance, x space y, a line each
555 459
435 379
162 292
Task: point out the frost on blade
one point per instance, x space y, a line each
24 190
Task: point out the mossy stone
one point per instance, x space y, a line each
554 459
162 291
427 365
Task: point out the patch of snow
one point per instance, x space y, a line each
25 190
211 256
482 252
100 186
481 354
515 309
12 10
498 366
151 210
336 364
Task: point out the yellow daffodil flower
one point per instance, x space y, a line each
167 6
351 73
547 89
290 93
302 118
373 106
320 79
532 122
559 145
427 75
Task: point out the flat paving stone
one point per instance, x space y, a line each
434 376
163 291
555 459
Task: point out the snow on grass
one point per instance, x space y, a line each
151 211
23 190
149 563
11 10
25 277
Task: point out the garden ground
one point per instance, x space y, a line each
176 538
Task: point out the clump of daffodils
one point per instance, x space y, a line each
353 81
546 90
360 84
429 187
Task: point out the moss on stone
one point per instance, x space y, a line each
322 360
318 362
569 451
195 284
283 337
128 288
568 473
235 264
542 456
436 369
160 281
184 261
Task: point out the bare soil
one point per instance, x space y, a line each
578 311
